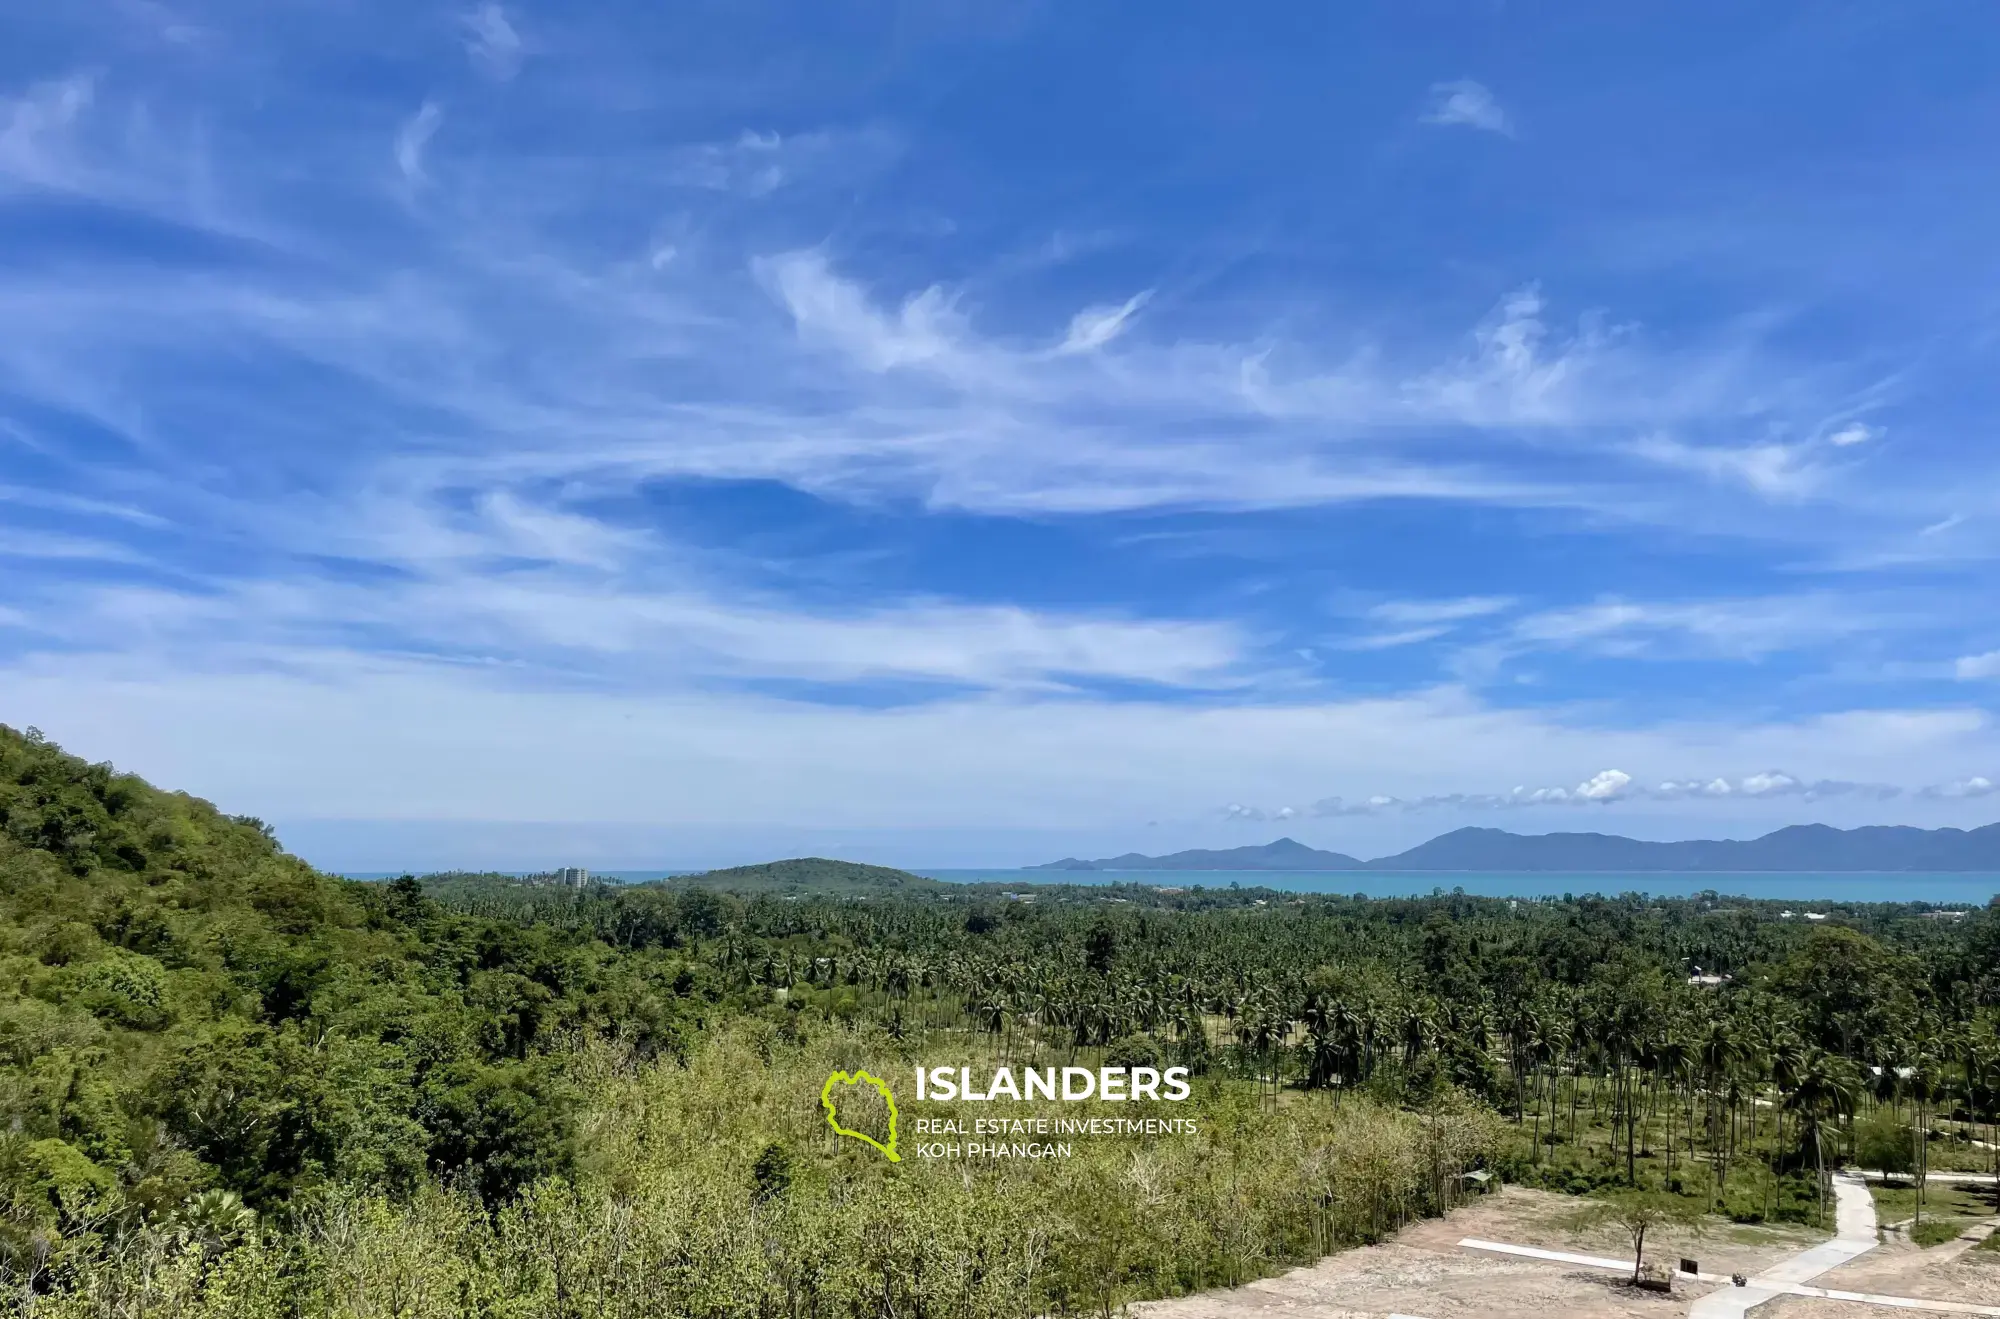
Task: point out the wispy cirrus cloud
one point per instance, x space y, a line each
755 163
1410 622
82 137
1441 611
1780 471
1731 628
414 138
713 383
1094 327
492 42
37 130
926 330
551 623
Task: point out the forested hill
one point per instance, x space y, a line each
790 878
1799 848
808 874
185 1008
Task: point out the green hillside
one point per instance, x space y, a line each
185 1009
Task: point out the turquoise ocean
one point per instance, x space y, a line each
1937 889
1957 890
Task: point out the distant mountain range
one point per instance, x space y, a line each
1801 847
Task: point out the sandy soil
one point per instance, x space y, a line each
1424 1272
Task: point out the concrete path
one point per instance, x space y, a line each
1896 1302
1854 1234
1564 1257
1872 1175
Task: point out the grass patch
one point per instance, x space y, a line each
1937 1231
1896 1201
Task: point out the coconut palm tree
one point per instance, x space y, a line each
1825 1088
1718 1051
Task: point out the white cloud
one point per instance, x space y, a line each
1128 424
73 136
837 311
1971 667
413 137
1605 785
1514 377
516 528
555 620
1390 640
1742 629
1422 620
1133 424
1257 814
1093 327
1770 469
1771 783
1615 786
1961 789
1441 611
1469 104
1671 789
491 41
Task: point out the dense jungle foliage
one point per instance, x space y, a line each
237 1086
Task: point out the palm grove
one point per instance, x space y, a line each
238 1086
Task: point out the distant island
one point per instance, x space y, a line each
1284 854
1800 847
807 874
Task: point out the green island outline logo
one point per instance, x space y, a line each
881 1088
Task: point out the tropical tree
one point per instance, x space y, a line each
1641 1213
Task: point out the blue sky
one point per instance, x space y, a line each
964 434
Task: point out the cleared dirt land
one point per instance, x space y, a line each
1425 1272
1952 1272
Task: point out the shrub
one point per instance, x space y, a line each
1883 1142
1133 1051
